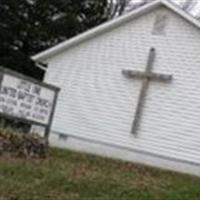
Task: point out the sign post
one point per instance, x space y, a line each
28 100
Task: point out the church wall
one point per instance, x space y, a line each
97 103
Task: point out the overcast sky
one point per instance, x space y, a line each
194 11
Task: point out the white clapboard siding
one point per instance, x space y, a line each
97 102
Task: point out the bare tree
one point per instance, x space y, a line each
117 7
188 5
132 5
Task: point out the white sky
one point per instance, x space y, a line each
195 11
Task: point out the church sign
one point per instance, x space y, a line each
27 99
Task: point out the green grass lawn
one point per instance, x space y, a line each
67 175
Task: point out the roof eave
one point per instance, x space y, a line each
94 31
112 24
182 13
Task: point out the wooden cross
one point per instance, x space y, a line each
146 77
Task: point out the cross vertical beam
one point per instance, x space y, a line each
146 77
145 84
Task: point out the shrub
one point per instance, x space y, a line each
20 144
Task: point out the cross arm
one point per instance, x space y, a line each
143 75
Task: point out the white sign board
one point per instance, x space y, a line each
24 99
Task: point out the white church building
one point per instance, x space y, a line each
130 89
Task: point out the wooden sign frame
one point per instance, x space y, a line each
56 90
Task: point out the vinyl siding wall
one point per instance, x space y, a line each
98 103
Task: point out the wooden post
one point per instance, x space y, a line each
141 99
48 128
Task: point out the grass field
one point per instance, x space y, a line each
67 175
